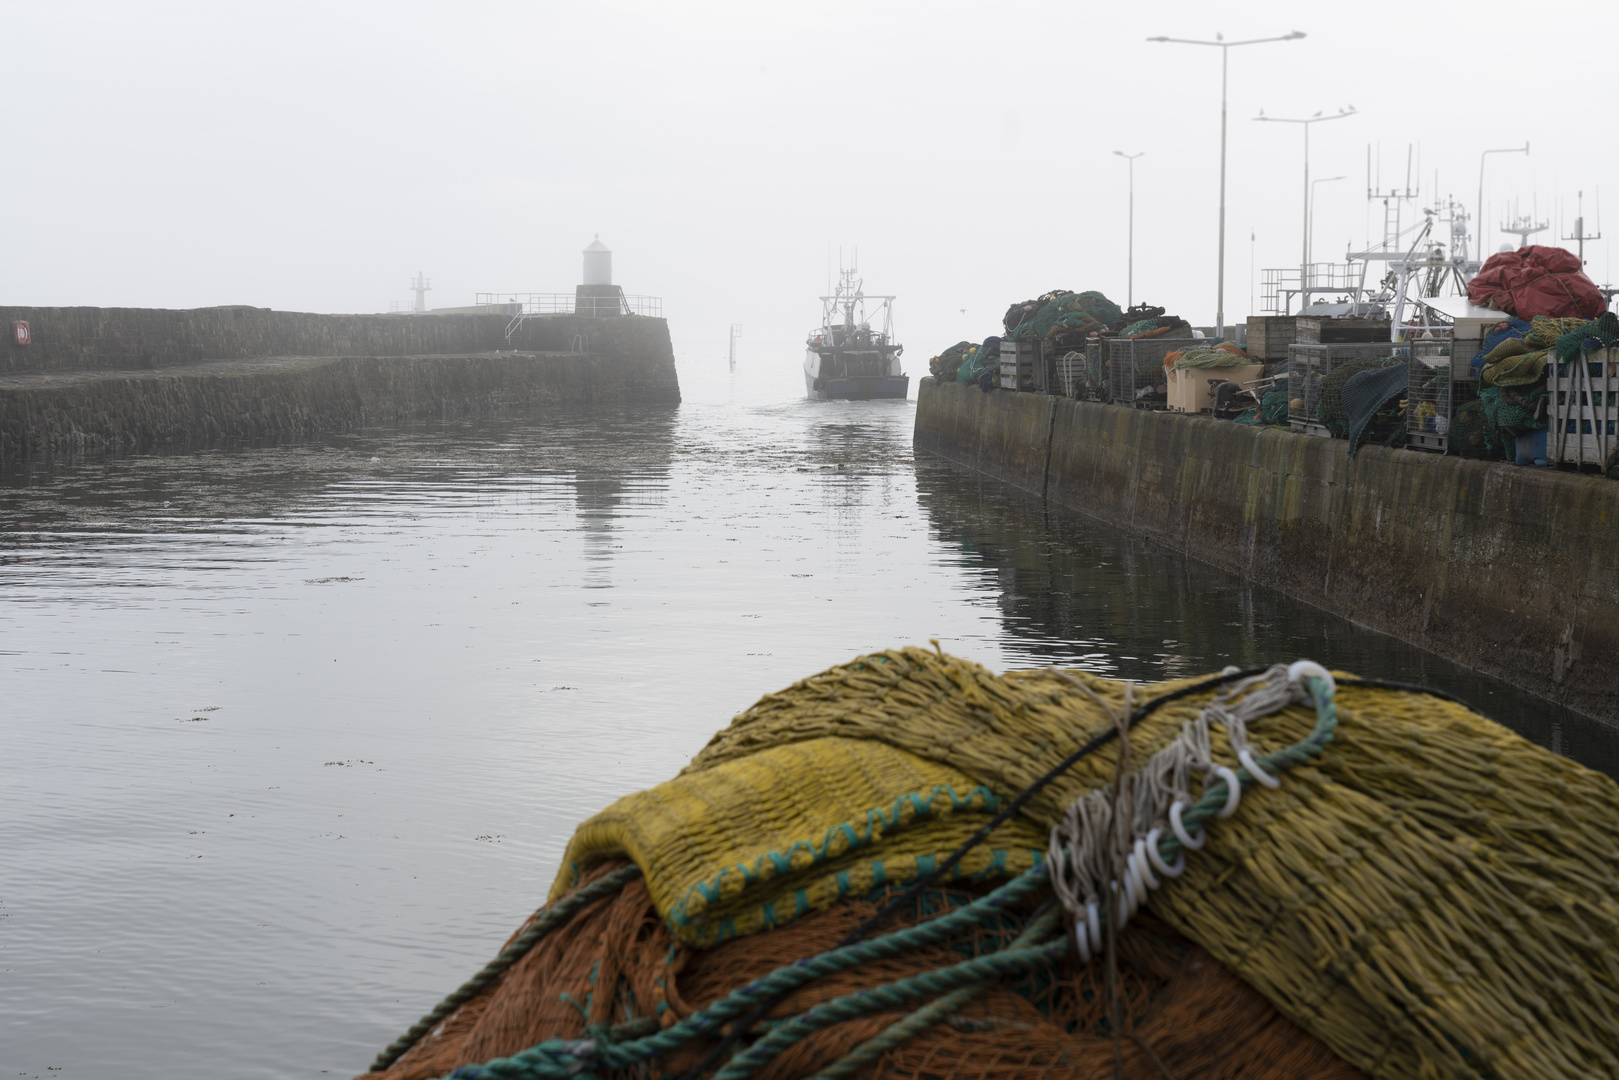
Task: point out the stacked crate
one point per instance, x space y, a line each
1017 363
1583 394
1308 364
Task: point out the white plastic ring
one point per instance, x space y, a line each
1233 791
1144 866
1093 922
1247 759
1298 669
1082 939
1169 870
1132 878
1188 842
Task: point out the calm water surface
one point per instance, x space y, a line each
294 737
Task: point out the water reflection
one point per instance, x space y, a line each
1073 591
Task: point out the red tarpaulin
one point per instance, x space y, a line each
1536 280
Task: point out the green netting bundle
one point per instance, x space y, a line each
1223 355
978 360
1469 436
1510 411
1086 312
945 366
1600 333
1329 406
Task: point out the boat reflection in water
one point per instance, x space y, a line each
846 357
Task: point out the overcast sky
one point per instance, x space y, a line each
315 156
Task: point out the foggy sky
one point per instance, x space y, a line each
313 157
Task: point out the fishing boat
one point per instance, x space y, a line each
847 357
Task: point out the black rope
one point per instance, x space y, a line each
1408 688
741 1028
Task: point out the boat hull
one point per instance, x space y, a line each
856 387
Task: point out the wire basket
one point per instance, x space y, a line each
1308 365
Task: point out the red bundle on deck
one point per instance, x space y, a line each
1537 280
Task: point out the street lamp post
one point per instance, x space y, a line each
1304 242
1130 288
1225 48
1524 149
1309 249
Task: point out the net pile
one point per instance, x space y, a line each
1330 405
1429 895
1223 355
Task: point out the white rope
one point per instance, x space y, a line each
1154 798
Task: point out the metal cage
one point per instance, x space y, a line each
1307 365
1135 369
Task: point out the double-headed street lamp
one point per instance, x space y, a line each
1130 289
1304 242
1225 48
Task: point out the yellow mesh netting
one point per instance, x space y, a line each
1432 897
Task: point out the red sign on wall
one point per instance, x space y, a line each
20 334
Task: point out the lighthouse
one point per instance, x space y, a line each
597 295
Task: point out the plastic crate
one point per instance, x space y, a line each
1135 369
1017 364
1583 394
1307 365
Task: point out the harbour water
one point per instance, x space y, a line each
294 736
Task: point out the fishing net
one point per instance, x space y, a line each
1223 355
1510 411
1429 896
614 963
1472 435
1060 314
946 365
1330 406
1374 404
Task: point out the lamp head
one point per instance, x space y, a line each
1160 38
1293 36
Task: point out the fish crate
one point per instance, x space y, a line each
1070 374
1308 364
1135 370
1017 364
1583 394
1324 331
1269 336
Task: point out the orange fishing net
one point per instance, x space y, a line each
1186 1016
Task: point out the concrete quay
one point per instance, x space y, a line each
1510 571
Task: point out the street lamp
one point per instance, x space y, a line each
1309 250
1304 244
1225 48
1524 149
1130 289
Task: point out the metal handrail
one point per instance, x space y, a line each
570 304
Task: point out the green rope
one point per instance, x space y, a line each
920 1020
545 1059
994 965
548 919
897 1032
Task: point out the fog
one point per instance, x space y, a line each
316 156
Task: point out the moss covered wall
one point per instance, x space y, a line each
205 404
87 338
1511 571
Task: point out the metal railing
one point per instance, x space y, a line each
569 304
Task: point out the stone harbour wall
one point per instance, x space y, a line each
1510 571
101 380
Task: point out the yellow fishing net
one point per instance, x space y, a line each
1432 897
